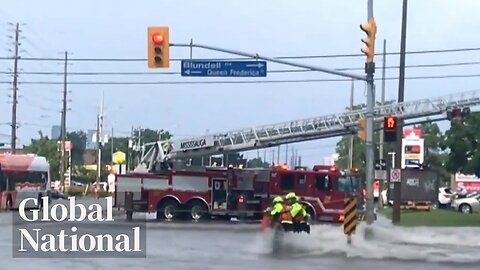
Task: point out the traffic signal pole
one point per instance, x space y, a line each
275 60
370 29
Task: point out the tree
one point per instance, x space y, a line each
434 158
46 147
257 163
78 139
461 143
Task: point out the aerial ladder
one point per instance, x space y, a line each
161 152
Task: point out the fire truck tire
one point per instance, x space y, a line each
168 209
311 213
197 210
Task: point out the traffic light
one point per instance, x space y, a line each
158 46
362 125
389 128
370 29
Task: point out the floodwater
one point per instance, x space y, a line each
243 246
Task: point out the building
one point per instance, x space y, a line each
56 132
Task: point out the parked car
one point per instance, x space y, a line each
467 205
445 197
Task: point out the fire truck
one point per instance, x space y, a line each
213 192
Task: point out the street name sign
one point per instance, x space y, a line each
203 68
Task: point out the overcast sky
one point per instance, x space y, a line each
117 29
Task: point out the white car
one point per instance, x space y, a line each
445 196
467 205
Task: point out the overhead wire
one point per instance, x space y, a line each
271 71
241 58
237 81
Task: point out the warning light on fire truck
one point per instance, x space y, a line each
370 29
158 46
362 124
390 128
241 200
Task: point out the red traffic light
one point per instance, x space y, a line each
390 122
157 38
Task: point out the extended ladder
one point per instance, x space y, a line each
299 130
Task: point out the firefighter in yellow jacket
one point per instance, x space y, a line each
298 213
280 212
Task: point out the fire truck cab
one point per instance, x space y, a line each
200 193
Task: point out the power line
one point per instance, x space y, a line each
241 82
240 58
272 71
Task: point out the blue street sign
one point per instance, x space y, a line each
202 68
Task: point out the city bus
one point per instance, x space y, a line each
22 177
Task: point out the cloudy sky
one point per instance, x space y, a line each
117 29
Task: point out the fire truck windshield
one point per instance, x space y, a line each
348 183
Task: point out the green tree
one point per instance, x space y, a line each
46 147
78 139
257 163
461 144
435 158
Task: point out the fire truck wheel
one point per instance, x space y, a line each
311 213
168 209
198 210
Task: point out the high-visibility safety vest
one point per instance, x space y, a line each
298 212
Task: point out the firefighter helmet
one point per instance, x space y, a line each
291 196
277 199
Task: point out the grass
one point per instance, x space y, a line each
434 218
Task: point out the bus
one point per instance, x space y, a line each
22 177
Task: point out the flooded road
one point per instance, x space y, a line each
242 246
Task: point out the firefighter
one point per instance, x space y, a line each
298 213
280 212
277 207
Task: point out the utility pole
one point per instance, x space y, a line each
99 144
401 92
63 126
350 148
382 100
369 151
15 90
111 151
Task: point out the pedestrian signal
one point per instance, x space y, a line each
390 128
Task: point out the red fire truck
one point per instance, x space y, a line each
230 192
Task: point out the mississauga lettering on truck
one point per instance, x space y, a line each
193 144
46 229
